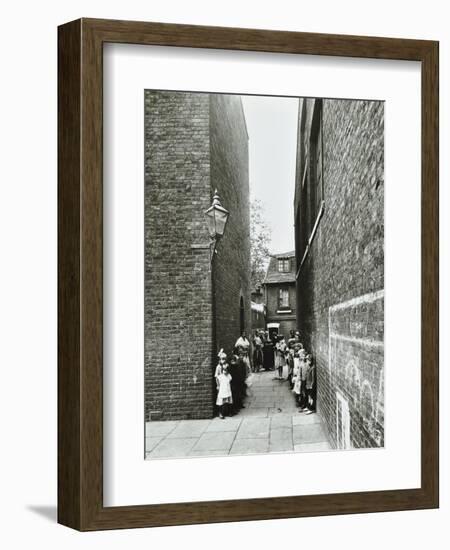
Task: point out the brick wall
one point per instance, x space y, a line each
229 175
193 143
177 278
340 285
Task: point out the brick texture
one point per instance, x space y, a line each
229 175
340 284
183 144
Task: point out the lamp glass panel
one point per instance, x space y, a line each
221 220
210 218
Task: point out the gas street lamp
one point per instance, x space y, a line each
216 217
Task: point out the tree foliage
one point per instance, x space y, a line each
260 237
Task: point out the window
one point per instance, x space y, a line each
284 266
283 298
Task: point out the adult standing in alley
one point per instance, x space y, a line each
257 352
242 346
238 373
268 356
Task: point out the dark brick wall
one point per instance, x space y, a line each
185 137
340 285
229 175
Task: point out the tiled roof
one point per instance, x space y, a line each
275 276
290 254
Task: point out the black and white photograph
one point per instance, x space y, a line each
225 266
264 274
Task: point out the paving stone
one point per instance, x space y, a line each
160 427
257 412
283 411
214 441
281 421
308 433
151 442
283 399
263 403
280 440
226 425
250 446
172 448
288 406
189 428
302 419
254 428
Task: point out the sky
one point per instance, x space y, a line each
272 128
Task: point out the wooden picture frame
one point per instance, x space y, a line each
80 272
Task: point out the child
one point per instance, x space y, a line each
303 369
296 383
311 386
222 360
280 356
290 361
224 395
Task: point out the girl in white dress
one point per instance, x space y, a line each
280 356
222 360
299 359
224 395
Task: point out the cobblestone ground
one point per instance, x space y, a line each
269 423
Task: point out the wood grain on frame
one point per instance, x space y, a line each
80 264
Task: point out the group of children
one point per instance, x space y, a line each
232 379
301 371
303 381
301 376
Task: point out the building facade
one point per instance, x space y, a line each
339 234
280 294
195 143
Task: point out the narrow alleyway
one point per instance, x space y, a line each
270 422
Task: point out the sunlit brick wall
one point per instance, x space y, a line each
341 283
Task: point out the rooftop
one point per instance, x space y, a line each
274 276
290 254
